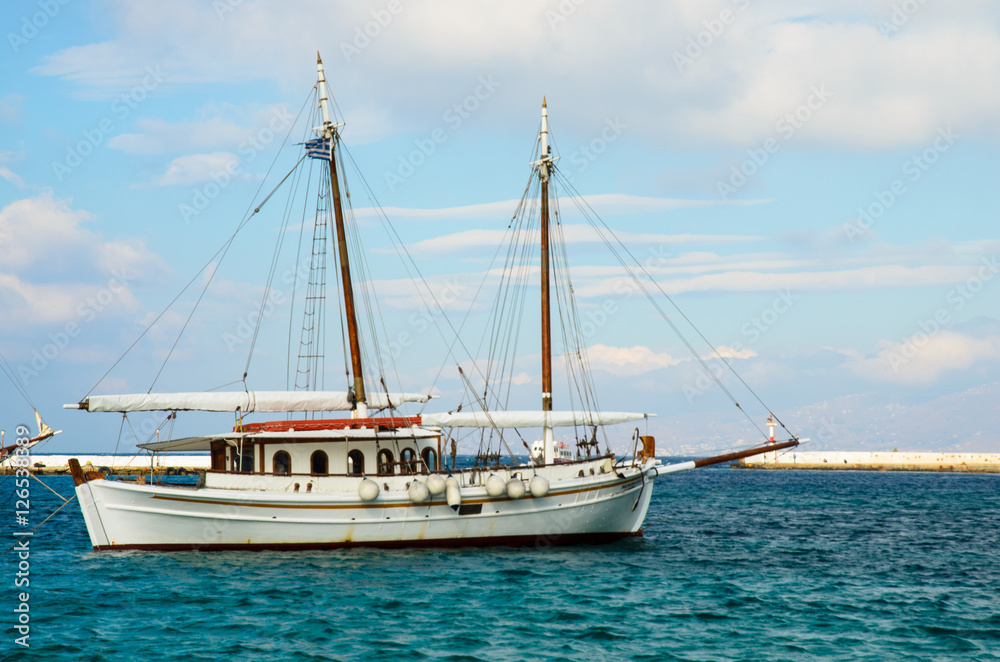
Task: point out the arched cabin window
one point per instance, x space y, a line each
408 461
319 463
385 463
282 464
356 463
430 459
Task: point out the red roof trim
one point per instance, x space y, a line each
330 424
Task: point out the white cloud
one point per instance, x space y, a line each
888 90
220 126
657 264
45 230
10 157
727 352
452 292
10 107
51 264
883 276
605 204
198 168
628 361
923 358
520 379
12 177
741 272
571 234
30 304
159 137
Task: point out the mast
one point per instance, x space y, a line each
545 163
329 130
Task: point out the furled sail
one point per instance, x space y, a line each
244 401
528 419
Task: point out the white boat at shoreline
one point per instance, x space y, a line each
378 478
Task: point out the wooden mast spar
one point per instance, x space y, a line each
545 164
330 133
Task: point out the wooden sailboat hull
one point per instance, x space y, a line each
594 509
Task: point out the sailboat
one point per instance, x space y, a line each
10 453
378 477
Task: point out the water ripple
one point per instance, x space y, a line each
747 566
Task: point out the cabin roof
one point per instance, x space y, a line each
205 443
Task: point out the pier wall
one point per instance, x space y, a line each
875 461
119 464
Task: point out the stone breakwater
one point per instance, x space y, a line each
115 464
875 461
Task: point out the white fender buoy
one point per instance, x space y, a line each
495 485
515 488
608 466
452 493
418 492
436 484
368 490
539 486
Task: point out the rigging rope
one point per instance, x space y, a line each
224 251
286 217
482 405
211 259
401 250
5 366
581 201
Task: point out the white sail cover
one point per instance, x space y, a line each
528 419
244 401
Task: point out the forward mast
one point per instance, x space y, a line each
329 132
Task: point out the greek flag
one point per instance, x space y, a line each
318 148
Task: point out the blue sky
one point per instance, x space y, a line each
813 182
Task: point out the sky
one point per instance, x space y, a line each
811 182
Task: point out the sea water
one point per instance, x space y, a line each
734 565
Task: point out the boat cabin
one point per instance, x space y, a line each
312 454
340 447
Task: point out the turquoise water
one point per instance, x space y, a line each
734 566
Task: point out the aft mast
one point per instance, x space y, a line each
329 133
545 164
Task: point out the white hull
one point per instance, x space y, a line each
593 508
